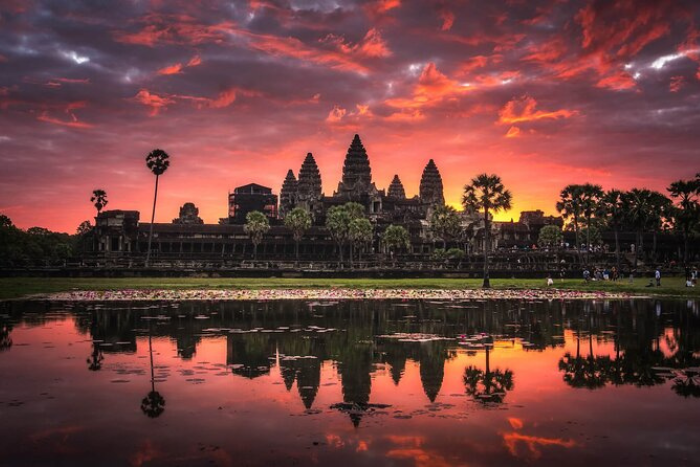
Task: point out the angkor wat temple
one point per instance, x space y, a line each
120 233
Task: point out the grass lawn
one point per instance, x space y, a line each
15 287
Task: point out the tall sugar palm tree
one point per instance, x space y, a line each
445 224
157 162
687 216
661 208
256 226
338 224
570 206
396 238
298 221
639 214
361 233
99 199
486 193
614 208
591 196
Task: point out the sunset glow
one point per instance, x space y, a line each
544 93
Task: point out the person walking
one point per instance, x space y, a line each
657 276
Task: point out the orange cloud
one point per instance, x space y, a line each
522 109
617 81
178 67
171 70
433 87
194 61
74 122
379 7
152 100
371 46
513 132
174 29
224 99
448 19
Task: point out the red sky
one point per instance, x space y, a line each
542 92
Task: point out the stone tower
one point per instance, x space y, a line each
431 191
357 174
288 194
309 184
396 189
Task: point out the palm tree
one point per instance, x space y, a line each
153 405
396 237
590 203
99 199
445 224
660 211
356 211
639 213
298 221
570 207
614 207
360 232
486 193
157 162
338 224
256 226
685 193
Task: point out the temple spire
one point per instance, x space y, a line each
357 174
309 184
288 194
396 189
431 190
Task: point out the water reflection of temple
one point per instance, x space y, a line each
301 338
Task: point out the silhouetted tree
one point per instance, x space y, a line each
157 162
688 214
614 208
570 206
256 226
99 198
445 224
486 193
298 221
360 233
396 238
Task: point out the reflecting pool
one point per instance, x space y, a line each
399 383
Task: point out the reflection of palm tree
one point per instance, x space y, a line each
589 372
687 383
94 361
488 386
153 405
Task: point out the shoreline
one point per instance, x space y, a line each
328 294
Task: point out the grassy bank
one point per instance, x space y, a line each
17 287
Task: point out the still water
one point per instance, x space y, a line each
399 383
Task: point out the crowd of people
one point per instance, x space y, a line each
613 274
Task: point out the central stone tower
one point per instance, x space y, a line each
356 183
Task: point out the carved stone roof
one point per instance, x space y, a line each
309 184
396 189
431 190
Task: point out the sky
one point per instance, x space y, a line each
543 93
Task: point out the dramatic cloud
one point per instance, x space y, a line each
238 92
